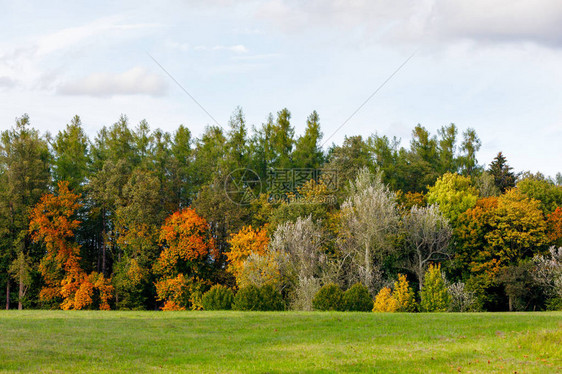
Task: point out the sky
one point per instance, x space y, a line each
494 66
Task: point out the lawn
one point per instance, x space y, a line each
269 342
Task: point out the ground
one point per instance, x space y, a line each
275 342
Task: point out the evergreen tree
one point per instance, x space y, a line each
71 157
25 177
308 153
504 178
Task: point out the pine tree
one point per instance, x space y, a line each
308 153
504 178
24 177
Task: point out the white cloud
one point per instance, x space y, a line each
239 48
22 61
500 20
6 82
184 47
132 82
486 21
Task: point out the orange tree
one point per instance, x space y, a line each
498 233
52 223
554 227
185 264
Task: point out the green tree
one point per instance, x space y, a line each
181 168
447 149
504 178
434 294
349 158
386 156
544 190
237 152
71 158
25 177
283 140
470 145
209 157
453 194
308 152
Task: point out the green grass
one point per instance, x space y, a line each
261 342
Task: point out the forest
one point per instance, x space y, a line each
260 218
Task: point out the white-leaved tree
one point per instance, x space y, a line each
302 244
548 272
427 234
369 219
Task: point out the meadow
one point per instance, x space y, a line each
276 342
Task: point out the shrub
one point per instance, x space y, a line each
357 299
301 297
385 301
554 304
462 300
404 295
434 294
247 298
260 269
329 297
218 298
270 298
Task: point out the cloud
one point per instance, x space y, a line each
485 21
233 48
184 47
137 81
7 82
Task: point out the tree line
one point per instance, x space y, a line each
139 219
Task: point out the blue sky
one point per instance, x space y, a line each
493 66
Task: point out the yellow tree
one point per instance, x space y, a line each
404 295
245 242
499 232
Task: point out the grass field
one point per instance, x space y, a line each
261 342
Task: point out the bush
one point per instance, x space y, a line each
218 298
554 304
329 297
306 289
462 300
263 298
434 293
247 298
385 301
270 298
404 295
357 299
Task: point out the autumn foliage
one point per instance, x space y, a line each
183 263
245 242
554 226
52 223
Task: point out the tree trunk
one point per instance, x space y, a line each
103 255
20 291
103 249
510 304
8 294
420 273
367 266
